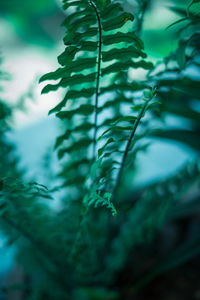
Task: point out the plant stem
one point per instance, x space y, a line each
127 148
98 78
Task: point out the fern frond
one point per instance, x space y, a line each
92 34
147 215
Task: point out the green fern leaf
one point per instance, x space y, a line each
114 68
117 22
100 150
121 37
67 56
70 81
111 10
84 109
122 54
80 65
72 39
76 146
59 73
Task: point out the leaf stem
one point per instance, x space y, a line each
98 78
127 148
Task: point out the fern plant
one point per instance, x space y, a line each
94 72
79 250
177 79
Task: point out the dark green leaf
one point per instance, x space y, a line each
84 93
116 128
122 54
50 88
59 106
118 66
122 87
72 94
59 73
89 46
121 37
89 20
76 146
117 21
81 64
68 55
72 39
84 109
111 10
77 79
72 17
70 81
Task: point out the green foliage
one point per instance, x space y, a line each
78 250
88 72
178 88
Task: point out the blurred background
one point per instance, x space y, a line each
30 41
